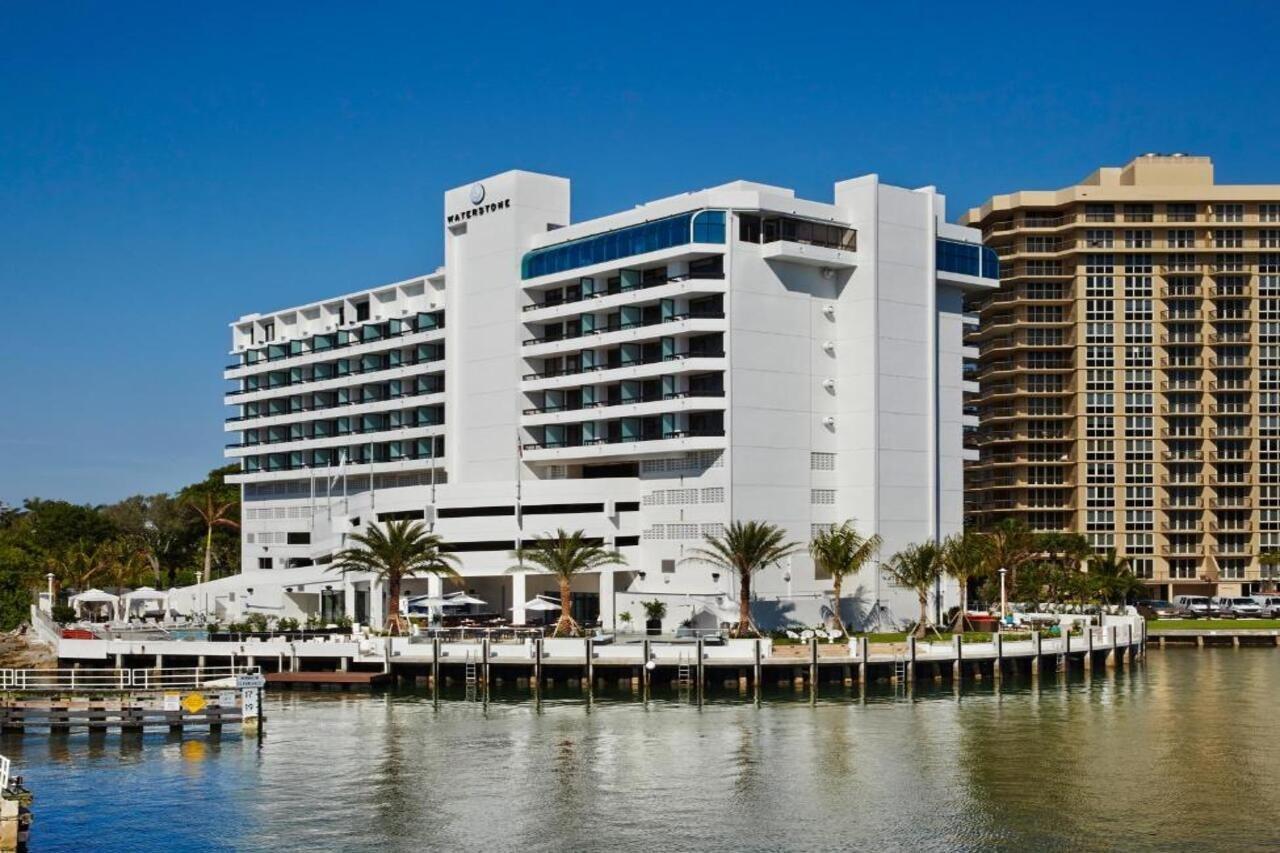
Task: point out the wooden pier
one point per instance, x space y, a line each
133 713
437 662
99 699
342 680
1202 637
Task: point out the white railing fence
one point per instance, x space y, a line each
4 773
44 626
51 680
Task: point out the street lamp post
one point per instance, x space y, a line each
49 577
1004 598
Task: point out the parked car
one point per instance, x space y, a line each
1196 605
1269 604
1239 607
1153 608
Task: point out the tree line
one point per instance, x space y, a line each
1040 568
162 540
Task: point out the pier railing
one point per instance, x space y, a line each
90 679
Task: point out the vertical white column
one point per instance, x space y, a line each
348 598
377 605
606 600
518 598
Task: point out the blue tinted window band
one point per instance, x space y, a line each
967 259
707 226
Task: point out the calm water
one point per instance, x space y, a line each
1181 753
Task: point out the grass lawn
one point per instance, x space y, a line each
1212 624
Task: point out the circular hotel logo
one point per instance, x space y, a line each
477 193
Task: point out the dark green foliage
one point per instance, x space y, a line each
81 544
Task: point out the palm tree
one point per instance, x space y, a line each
1011 545
965 557
1112 578
125 566
214 513
565 555
80 566
842 552
1269 560
1067 550
745 547
404 550
918 567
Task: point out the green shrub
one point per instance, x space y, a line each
287 624
63 614
654 610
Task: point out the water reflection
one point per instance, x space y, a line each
1174 754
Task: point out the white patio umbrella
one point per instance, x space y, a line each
461 598
539 603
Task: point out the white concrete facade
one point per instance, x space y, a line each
748 355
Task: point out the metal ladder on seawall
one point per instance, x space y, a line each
684 673
472 674
899 670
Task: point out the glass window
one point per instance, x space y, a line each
703 227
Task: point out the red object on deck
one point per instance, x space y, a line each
983 623
76 634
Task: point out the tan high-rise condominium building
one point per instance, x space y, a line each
1129 370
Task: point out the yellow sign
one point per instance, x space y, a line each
193 703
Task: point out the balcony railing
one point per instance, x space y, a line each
676 395
353 371
305 409
295 439
615 290
622 327
667 436
596 368
414 328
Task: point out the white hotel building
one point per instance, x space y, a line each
731 353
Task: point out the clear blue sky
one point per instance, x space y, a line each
164 170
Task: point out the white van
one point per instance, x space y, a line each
1270 604
1197 605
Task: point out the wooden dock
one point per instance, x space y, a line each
1202 637
125 713
57 700
343 680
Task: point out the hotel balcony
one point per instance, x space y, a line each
357 375
617 408
349 343
351 408
668 356
356 436
634 325
291 471
570 302
626 437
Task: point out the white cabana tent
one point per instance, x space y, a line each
145 597
93 598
